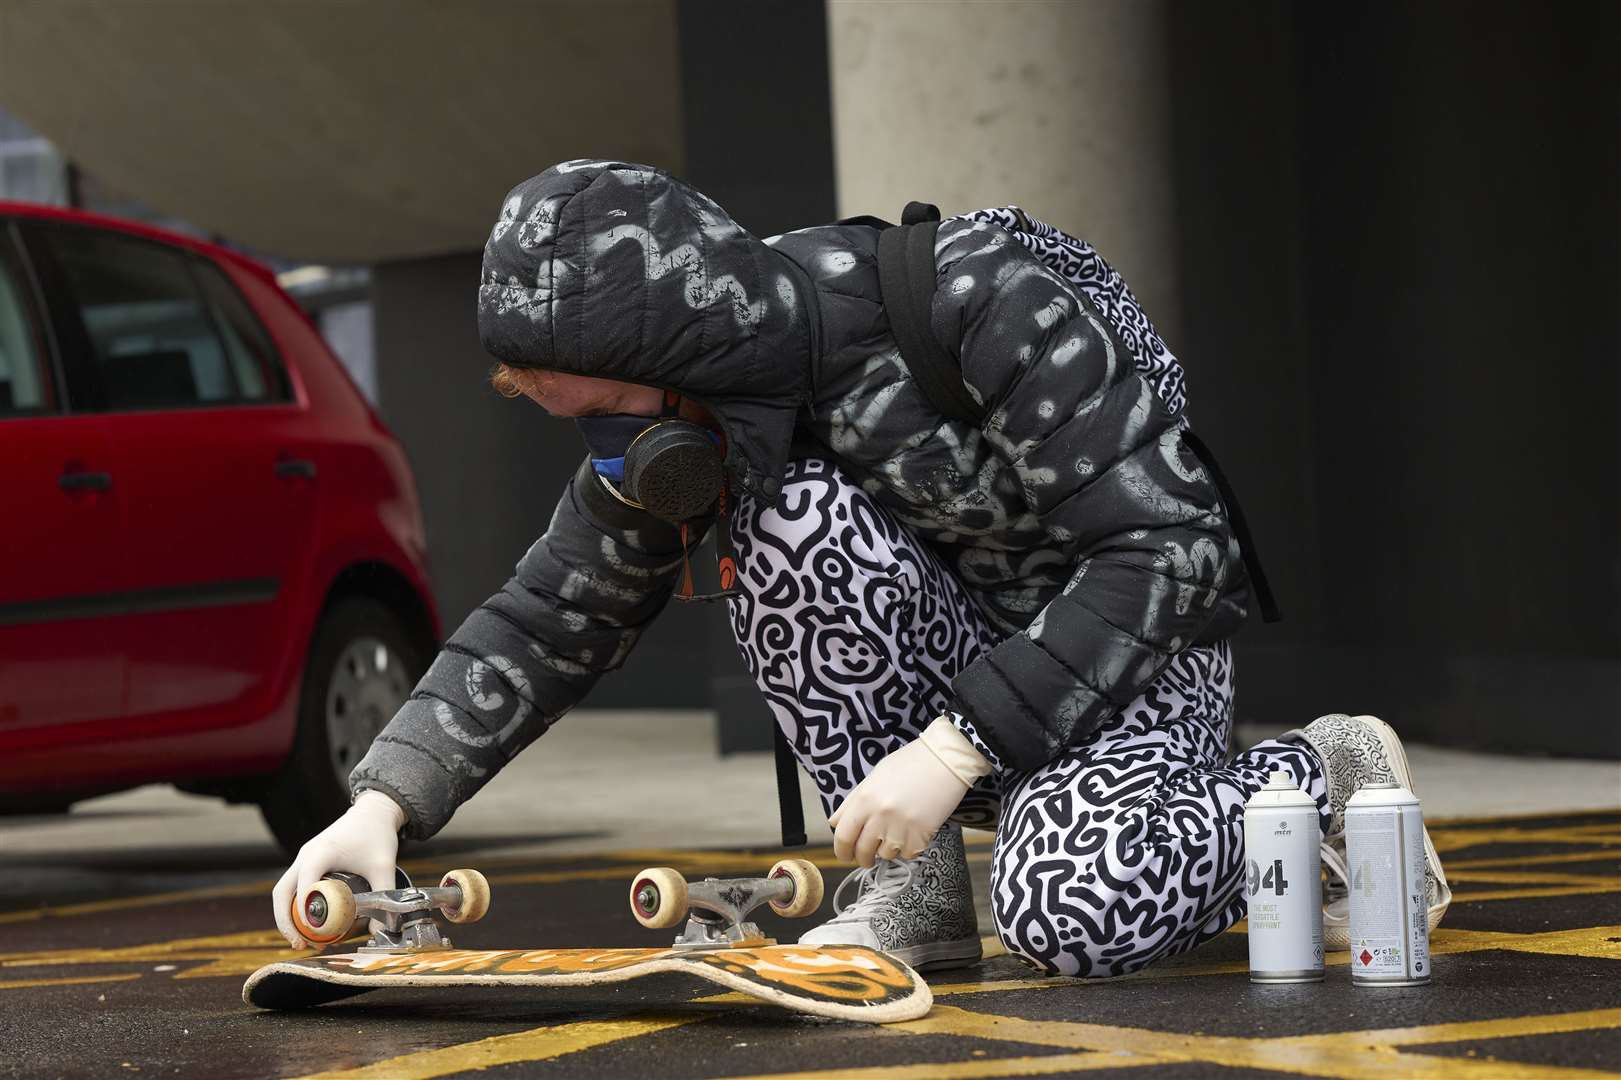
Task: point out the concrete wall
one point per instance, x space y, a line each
1060 107
1403 262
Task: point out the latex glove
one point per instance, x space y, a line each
903 802
364 841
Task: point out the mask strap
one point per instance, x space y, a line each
684 590
726 557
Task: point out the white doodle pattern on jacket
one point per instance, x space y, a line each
1079 263
1078 527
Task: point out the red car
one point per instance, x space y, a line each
212 561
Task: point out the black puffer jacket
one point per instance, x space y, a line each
1087 531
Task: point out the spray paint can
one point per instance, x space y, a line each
1283 883
1384 849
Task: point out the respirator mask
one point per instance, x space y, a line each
665 465
670 467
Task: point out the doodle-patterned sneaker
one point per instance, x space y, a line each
918 910
1356 751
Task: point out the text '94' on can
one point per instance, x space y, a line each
1283 883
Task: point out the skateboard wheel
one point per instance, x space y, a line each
324 912
475 895
807 887
658 898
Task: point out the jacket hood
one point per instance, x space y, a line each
623 272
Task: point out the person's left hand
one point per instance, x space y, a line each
898 808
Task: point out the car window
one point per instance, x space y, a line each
152 338
253 359
25 386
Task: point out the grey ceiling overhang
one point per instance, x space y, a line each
353 131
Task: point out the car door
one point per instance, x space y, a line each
219 498
61 563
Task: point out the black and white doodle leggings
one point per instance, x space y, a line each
1117 853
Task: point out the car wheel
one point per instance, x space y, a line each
362 666
34 805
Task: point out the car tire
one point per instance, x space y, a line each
34 805
363 663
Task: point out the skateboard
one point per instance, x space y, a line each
719 945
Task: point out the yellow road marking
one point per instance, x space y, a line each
732 860
1593 942
708 863
1493 895
1351 1055
1533 877
1506 1027
1604 835
1611 812
1533 860
25 984
537 1044
243 952
711 863
225 954
124 903
967 1070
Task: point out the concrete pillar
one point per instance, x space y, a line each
1058 106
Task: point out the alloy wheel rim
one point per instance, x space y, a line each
368 685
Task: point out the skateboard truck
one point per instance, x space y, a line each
325 912
717 909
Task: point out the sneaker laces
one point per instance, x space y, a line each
1338 882
878 884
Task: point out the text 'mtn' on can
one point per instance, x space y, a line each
1283 883
1384 851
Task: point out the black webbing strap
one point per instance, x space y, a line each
793 814
906 274
1241 529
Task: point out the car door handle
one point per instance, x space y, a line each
81 480
287 468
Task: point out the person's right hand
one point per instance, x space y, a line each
364 841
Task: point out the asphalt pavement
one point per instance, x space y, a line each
130 961
127 927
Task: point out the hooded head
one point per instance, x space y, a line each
623 272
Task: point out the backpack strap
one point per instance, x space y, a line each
789 809
906 275
1241 529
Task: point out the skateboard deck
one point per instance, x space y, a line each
839 982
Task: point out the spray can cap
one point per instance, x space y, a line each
1280 791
